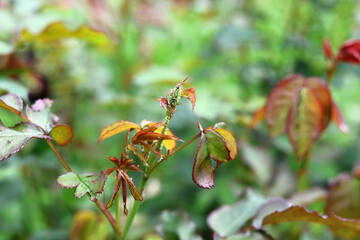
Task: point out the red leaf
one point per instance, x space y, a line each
279 103
117 127
327 49
350 52
337 118
190 94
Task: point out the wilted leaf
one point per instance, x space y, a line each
229 219
11 102
117 127
58 31
92 183
177 225
346 228
13 139
62 134
344 197
39 113
190 94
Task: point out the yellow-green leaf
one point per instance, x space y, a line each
117 127
58 31
62 134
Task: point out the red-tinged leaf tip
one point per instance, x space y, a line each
258 116
62 134
327 50
203 173
190 94
183 82
117 127
338 119
114 160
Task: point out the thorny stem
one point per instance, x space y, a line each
145 177
173 152
303 176
135 208
68 168
98 204
58 155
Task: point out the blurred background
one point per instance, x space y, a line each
234 51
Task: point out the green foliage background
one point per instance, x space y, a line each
234 51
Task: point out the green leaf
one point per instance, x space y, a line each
177 225
228 219
216 146
39 113
14 139
229 141
92 183
203 173
11 102
117 127
62 134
